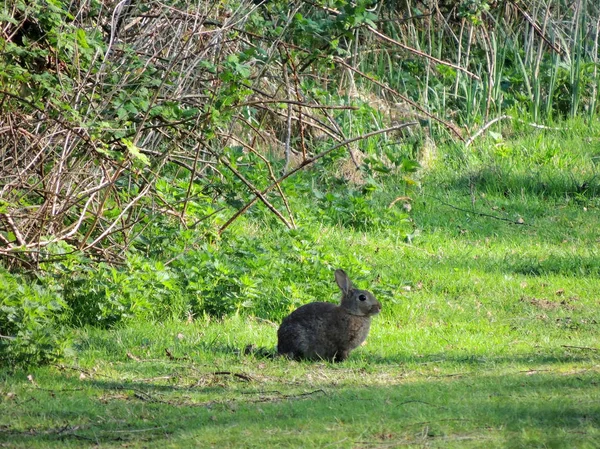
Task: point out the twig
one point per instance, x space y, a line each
149 429
287 396
535 125
420 53
302 395
503 117
298 103
421 402
481 214
244 377
14 228
309 162
201 219
172 357
154 379
188 193
288 131
258 194
400 198
133 357
537 29
271 174
298 89
142 395
584 348
484 128
116 16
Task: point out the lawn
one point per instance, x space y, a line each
489 334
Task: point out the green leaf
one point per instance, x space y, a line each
134 151
410 165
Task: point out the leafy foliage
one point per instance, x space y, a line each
32 317
104 296
144 151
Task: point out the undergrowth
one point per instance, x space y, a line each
488 334
516 206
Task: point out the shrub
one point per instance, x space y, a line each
32 318
104 295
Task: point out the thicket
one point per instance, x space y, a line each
141 142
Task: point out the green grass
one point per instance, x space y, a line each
489 335
407 386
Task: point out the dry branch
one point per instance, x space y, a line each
254 190
420 53
306 163
451 127
88 178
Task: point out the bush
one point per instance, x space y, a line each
32 318
104 295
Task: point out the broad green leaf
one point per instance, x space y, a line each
135 151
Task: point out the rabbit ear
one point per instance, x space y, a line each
343 281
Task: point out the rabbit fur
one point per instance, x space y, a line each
322 330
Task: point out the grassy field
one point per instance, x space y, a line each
489 335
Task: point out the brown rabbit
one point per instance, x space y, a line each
322 330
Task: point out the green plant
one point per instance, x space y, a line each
104 296
32 320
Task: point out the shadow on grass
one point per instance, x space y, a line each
530 265
467 401
556 409
540 183
491 202
472 362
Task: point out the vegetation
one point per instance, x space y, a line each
459 385
488 335
177 178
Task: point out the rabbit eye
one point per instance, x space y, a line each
362 297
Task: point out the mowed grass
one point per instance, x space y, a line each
489 336
125 390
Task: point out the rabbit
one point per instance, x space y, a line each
322 330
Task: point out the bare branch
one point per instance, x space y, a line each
309 162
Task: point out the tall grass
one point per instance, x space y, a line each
537 59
